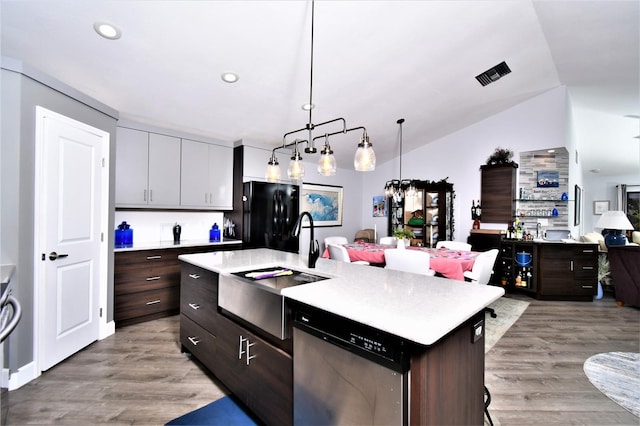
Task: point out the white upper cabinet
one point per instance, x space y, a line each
147 169
207 176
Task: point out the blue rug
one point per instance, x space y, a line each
224 411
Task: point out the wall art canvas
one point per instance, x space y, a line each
323 202
548 179
379 206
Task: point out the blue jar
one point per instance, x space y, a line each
124 236
554 212
214 234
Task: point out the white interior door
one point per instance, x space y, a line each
69 228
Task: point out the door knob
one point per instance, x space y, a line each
53 255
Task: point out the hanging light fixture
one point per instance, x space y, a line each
364 159
296 168
399 188
327 163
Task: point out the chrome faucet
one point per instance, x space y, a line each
538 230
314 248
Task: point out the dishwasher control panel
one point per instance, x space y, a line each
366 341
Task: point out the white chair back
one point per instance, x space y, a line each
415 261
338 252
335 240
454 245
482 267
390 241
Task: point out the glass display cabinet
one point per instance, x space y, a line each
426 208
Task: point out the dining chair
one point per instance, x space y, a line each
482 270
367 235
390 241
335 240
454 245
338 252
415 261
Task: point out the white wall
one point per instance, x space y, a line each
602 188
538 123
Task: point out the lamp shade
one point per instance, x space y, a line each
613 222
614 219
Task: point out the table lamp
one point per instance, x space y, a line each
613 224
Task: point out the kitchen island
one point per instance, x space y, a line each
441 321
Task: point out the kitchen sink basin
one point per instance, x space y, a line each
255 296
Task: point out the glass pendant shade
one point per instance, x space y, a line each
273 169
327 162
365 158
296 168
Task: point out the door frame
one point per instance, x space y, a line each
104 328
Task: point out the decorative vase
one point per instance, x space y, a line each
599 295
402 243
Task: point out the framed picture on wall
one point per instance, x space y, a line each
379 206
578 207
600 207
323 202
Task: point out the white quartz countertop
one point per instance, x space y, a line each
157 245
418 308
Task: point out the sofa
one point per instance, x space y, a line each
625 273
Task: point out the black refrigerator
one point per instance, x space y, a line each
269 212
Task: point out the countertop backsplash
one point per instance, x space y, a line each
152 226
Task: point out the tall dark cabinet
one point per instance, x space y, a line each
429 213
498 192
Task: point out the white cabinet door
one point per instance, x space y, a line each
132 166
207 176
221 177
164 171
194 185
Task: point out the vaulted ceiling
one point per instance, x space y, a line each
374 62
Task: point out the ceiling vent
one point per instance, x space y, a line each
493 74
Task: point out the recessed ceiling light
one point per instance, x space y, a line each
107 30
230 77
308 107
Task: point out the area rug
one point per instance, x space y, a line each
508 311
617 375
222 412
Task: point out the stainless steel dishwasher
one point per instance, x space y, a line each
346 373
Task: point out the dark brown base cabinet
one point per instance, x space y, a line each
447 379
147 282
258 373
568 271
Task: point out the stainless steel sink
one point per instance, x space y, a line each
259 301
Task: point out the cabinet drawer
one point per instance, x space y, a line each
146 303
199 296
198 342
135 281
135 259
586 287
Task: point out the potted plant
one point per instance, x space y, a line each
500 156
604 270
404 235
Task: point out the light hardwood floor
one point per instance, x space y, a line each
139 376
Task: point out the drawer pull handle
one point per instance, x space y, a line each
194 306
194 276
588 250
153 278
153 302
194 340
588 267
154 257
587 286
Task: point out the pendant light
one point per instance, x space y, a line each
327 162
399 188
296 168
365 157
